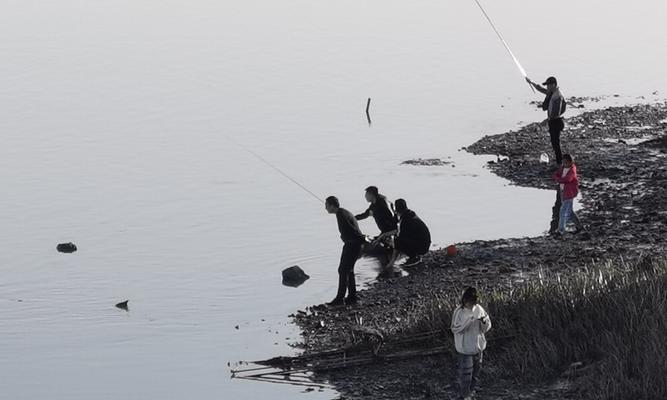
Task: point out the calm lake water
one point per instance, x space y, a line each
116 119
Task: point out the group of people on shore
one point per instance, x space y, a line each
405 233
401 231
470 321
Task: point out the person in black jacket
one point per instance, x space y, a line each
352 241
379 209
413 237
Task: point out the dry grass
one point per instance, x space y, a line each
608 320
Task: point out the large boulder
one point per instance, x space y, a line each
66 247
294 276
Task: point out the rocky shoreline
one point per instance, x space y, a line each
621 154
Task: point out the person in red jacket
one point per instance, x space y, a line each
566 176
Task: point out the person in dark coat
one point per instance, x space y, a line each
352 241
413 237
379 210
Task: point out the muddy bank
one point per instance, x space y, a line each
621 154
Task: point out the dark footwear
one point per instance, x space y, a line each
349 301
412 261
336 302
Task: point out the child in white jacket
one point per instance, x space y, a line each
469 323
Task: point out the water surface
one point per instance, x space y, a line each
115 119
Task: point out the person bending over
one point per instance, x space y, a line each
379 210
352 241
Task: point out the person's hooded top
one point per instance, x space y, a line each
569 181
469 331
411 226
381 213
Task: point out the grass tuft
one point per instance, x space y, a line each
602 328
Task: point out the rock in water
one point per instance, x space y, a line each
294 276
123 305
430 162
66 247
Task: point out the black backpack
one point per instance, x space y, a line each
563 106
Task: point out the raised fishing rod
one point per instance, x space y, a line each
516 61
281 172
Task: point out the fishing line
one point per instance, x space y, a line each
516 61
281 172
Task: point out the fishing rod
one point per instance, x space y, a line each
281 172
516 61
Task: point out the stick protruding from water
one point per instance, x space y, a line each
368 115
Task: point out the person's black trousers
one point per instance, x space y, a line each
556 126
410 247
346 281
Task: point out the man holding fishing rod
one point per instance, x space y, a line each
554 104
